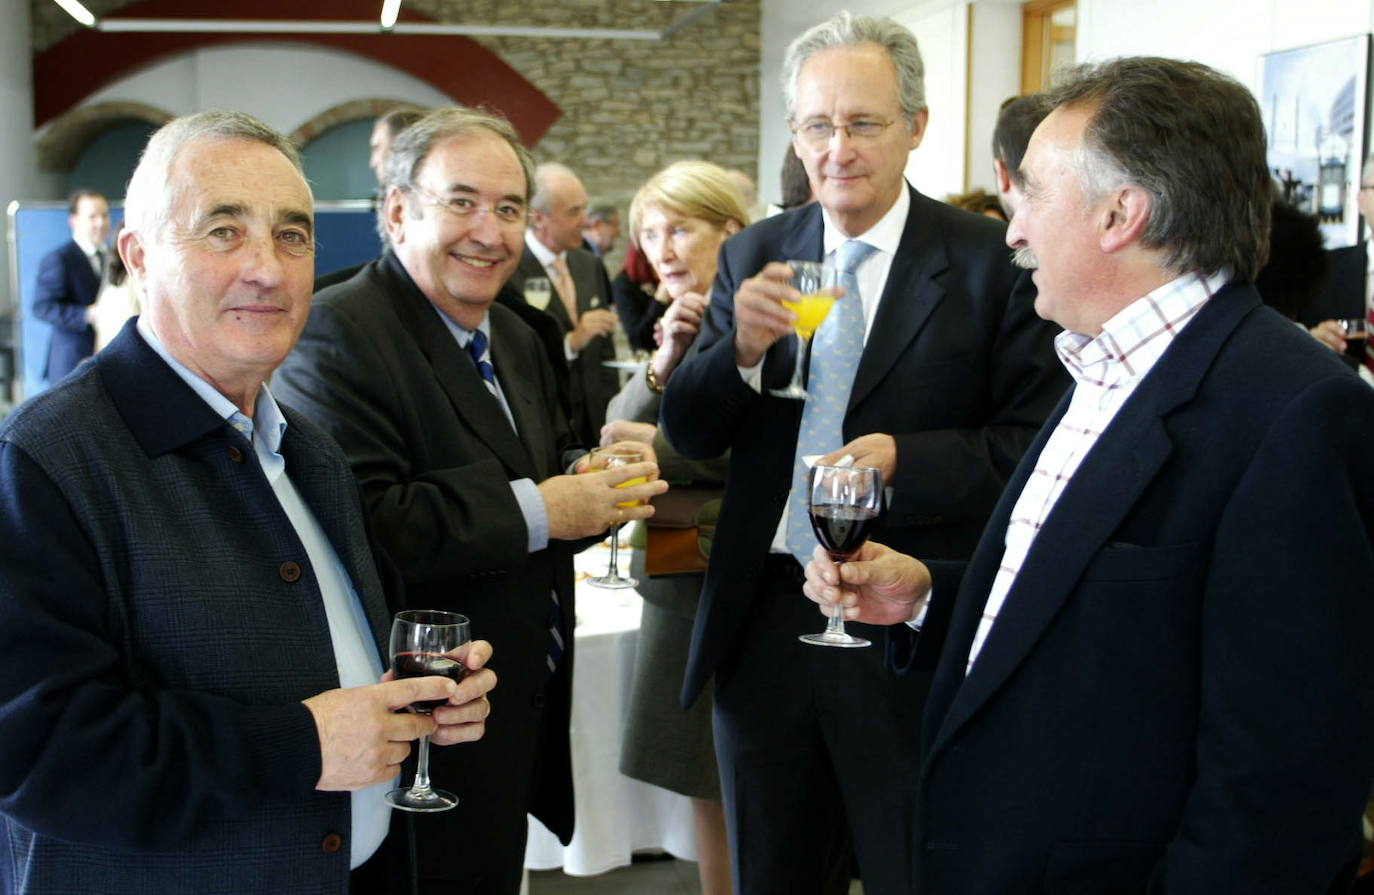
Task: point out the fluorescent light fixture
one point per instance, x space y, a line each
390 9
77 11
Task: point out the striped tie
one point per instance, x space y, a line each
835 355
477 348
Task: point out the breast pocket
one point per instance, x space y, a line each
1119 561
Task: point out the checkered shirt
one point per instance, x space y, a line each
1106 370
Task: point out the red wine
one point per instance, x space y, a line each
1355 345
842 529
423 664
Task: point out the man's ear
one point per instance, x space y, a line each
1003 177
393 214
1123 217
130 246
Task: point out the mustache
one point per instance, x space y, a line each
1024 257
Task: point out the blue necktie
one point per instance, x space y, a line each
477 347
835 353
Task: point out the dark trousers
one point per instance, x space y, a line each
818 754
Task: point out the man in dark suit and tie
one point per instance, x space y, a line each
68 281
582 294
444 404
1154 675
192 618
942 374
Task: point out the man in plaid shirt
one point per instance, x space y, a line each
1153 675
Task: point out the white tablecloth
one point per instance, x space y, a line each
616 815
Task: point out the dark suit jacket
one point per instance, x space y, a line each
434 453
591 383
1178 693
957 367
160 624
67 285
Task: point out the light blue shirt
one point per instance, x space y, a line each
525 490
355 651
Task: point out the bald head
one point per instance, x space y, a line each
559 208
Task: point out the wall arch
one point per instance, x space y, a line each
344 112
61 144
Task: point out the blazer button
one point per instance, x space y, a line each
234 454
538 700
331 843
289 571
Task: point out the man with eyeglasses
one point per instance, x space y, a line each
939 373
444 404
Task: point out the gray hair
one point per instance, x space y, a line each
1193 139
602 212
846 30
147 201
539 197
413 145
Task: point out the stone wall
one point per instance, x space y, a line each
629 106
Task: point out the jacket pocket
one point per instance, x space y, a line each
1101 868
1119 561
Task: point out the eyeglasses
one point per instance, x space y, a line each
507 214
818 133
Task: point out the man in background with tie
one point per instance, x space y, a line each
444 404
1154 675
940 374
582 299
68 281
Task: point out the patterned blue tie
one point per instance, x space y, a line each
477 347
835 352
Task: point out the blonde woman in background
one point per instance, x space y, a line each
679 218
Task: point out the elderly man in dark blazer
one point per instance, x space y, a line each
949 375
581 304
444 404
69 280
1154 676
192 619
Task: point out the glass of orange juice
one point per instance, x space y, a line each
609 458
819 286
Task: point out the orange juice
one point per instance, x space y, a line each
637 480
811 312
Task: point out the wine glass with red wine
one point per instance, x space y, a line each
425 642
846 502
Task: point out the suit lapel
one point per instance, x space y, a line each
455 372
80 265
1108 483
908 298
526 401
532 268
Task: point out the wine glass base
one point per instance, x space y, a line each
825 638
434 800
613 582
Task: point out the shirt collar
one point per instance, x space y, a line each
88 247
462 334
267 416
541 251
1135 338
884 236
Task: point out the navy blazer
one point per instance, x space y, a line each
160 624
435 455
957 367
1178 693
67 285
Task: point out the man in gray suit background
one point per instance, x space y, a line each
582 305
191 615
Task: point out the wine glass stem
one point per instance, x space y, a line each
835 623
799 374
420 788
614 570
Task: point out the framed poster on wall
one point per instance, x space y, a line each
1313 100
